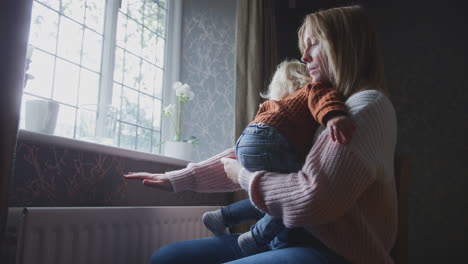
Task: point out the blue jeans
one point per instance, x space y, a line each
296 247
239 212
266 228
261 147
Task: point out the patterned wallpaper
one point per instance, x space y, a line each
57 175
208 66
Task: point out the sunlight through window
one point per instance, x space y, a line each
107 92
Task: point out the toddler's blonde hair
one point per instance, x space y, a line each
289 76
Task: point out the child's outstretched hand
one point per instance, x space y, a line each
341 129
155 180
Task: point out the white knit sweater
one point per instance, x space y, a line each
344 195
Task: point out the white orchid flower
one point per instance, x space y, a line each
169 110
176 85
182 90
191 95
185 92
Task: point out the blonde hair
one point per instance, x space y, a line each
350 45
289 76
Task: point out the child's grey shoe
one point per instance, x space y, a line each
248 244
214 222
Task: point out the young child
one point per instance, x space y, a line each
277 140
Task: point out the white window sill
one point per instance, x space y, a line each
97 148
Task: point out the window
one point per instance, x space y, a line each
102 63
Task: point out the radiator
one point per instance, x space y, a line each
101 234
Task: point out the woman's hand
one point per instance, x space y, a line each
232 167
156 180
341 129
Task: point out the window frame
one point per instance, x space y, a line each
171 73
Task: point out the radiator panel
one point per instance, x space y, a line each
89 235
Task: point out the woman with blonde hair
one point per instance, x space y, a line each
340 207
278 140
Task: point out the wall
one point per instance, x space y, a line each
208 39
55 174
425 52
424 47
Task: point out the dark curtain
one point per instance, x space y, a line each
256 60
256 57
15 17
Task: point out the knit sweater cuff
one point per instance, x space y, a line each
245 178
179 179
185 179
338 107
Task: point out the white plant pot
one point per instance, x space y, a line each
41 116
178 150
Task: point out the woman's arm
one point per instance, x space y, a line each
204 176
330 182
334 175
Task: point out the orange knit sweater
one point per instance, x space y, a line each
299 114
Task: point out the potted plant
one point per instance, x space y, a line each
40 115
179 147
